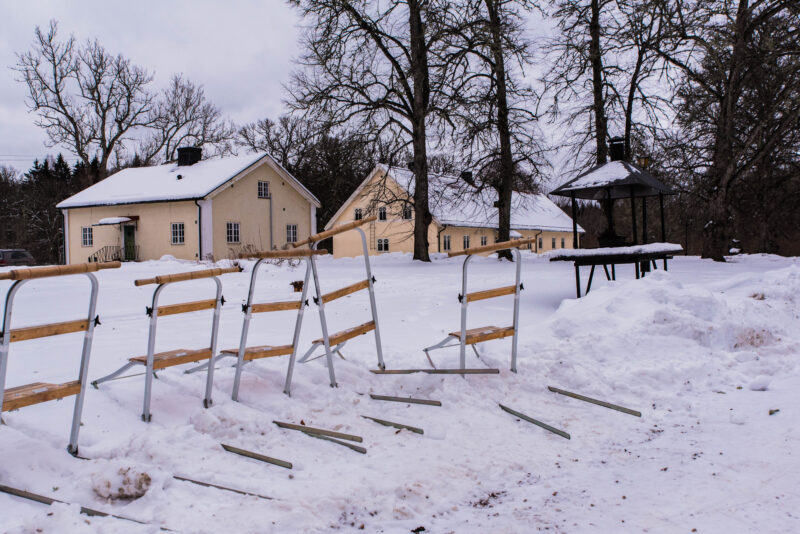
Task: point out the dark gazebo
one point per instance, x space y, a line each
606 183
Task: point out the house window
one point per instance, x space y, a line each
446 243
466 242
540 243
87 240
407 213
383 245
232 232
553 243
562 242
382 213
177 233
359 214
483 240
263 189
291 233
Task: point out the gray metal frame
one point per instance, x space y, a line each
324 323
464 303
151 344
248 315
85 354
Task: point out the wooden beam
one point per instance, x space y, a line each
275 306
38 392
350 333
503 245
535 422
186 307
257 456
436 371
319 431
339 293
335 230
191 275
46 330
491 293
29 273
604 404
401 426
217 486
350 446
283 254
407 400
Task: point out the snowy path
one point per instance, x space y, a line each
687 348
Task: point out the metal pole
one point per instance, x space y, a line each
372 303
207 402
6 340
323 323
574 221
663 226
151 348
463 344
84 369
287 388
633 218
248 314
516 311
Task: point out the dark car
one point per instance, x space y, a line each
15 256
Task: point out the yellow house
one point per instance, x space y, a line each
190 209
462 217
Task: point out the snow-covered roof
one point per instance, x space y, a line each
450 206
616 177
170 182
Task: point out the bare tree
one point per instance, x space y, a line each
182 116
494 108
288 139
739 99
369 63
86 98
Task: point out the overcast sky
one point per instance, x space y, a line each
240 50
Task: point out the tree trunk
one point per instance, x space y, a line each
419 73
506 185
595 56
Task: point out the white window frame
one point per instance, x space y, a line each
233 230
87 236
358 214
291 233
262 185
553 243
540 243
465 241
382 213
562 243
177 233
408 213
446 243
484 240
383 245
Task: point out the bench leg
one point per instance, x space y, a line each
591 277
605 268
578 281
113 375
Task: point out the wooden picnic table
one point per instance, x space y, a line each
642 256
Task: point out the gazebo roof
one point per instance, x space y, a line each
615 179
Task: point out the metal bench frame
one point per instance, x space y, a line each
85 353
463 298
324 323
151 344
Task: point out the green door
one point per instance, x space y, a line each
129 243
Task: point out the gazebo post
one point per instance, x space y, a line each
663 226
633 222
575 241
645 264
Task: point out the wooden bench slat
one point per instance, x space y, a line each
275 306
21 396
162 360
350 333
486 333
45 330
491 293
339 293
186 307
262 351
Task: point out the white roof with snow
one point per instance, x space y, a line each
170 182
451 207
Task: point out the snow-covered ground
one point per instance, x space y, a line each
704 351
